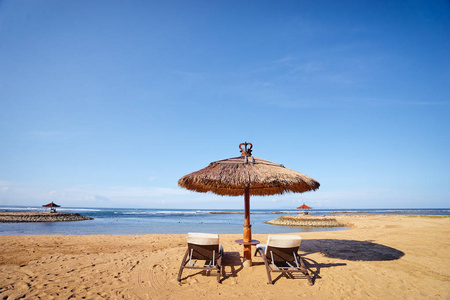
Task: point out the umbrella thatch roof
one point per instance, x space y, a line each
230 177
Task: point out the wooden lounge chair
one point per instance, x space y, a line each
204 247
280 254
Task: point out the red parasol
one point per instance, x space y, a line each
304 206
52 206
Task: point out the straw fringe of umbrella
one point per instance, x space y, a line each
231 176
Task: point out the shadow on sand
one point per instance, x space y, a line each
231 265
340 249
345 250
350 250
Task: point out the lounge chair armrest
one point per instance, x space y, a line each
261 247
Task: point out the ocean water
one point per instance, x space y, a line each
175 221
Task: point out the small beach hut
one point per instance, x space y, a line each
303 208
247 175
52 207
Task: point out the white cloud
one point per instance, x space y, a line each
285 59
166 197
4 185
53 135
46 133
91 196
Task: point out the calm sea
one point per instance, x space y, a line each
175 221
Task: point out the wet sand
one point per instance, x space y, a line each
383 257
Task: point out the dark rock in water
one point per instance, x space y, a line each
16 217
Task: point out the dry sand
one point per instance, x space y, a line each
381 257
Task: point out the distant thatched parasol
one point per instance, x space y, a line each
247 175
303 209
304 206
52 206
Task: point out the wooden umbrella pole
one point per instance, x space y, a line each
247 226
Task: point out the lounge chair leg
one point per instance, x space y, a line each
219 266
263 255
218 274
183 263
304 270
310 281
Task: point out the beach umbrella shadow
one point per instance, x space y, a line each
231 265
351 250
314 267
346 250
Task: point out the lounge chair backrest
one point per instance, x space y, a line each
284 241
203 245
280 254
202 238
282 247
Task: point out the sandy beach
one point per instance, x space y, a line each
379 257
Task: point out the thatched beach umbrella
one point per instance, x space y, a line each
303 208
52 206
247 175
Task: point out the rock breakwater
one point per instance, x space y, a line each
16 217
306 221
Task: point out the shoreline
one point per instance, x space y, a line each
400 212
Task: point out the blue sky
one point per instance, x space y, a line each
109 103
